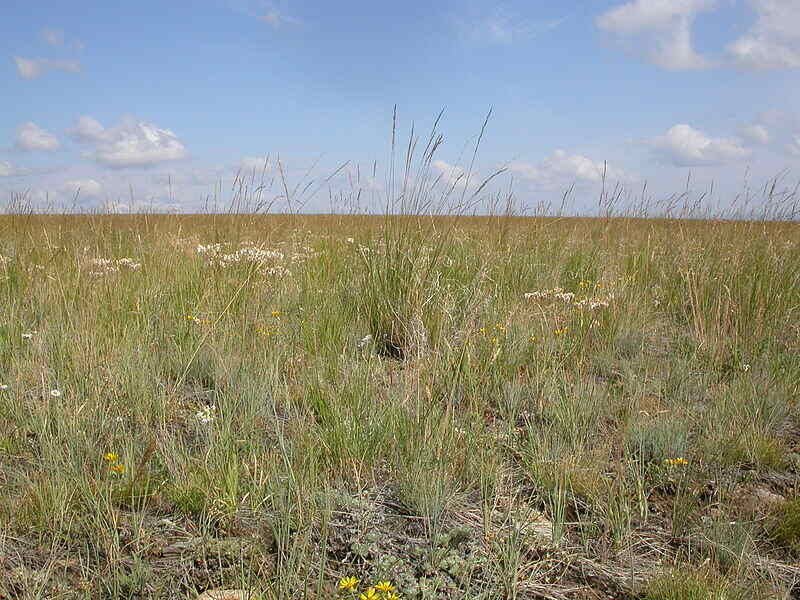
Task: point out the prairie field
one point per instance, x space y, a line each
466 407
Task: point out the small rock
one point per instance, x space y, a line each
767 498
167 524
180 547
761 501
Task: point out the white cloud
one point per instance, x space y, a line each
133 143
452 175
502 27
272 12
674 50
88 129
665 28
684 146
773 42
54 37
562 168
633 17
9 170
90 188
782 128
32 137
755 133
31 68
28 68
276 18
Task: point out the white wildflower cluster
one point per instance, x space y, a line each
594 303
302 256
209 248
207 414
215 255
103 266
269 261
555 293
571 299
276 271
251 254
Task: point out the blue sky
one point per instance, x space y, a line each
110 97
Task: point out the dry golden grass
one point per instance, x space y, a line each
472 407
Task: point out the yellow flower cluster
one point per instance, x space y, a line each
383 590
267 332
113 457
676 461
198 320
347 584
493 332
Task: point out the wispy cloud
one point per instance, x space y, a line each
277 18
31 68
778 129
502 27
773 42
54 37
9 170
276 14
82 187
755 133
660 30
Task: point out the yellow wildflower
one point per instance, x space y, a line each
392 596
276 313
370 594
348 583
110 457
384 587
118 468
676 461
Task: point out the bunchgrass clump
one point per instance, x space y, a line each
783 526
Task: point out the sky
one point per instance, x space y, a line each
158 105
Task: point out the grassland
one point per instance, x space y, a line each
469 407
